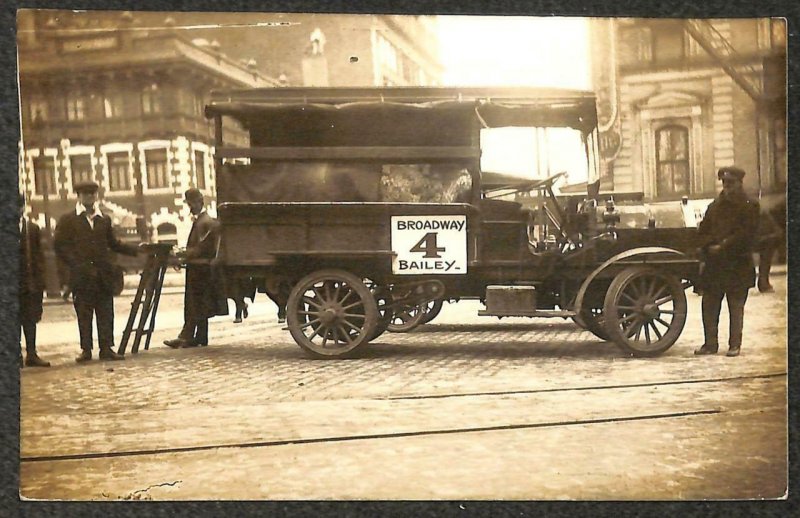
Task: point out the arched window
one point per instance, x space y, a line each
672 160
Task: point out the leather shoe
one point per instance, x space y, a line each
733 351
237 320
33 360
705 349
85 356
175 343
766 289
109 355
188 345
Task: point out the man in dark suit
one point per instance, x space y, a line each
203 297
727 239
31 285
84 240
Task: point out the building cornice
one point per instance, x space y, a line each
150 50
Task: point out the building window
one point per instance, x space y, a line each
151 100
387 53
408 68
422 79
635 45
112 106
200 169
44 175
672 161
38 109
82 170
199 104
669 41
76 108
119 172
157 170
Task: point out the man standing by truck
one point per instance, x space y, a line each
727 238
85 241
203 297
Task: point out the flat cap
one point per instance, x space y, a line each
89 187
730 173
193 194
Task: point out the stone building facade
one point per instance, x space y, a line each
118 97
670 114
306 49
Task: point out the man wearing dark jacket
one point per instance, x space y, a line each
84 240
727 238
31 285
203 296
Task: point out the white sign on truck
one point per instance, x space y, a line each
429 244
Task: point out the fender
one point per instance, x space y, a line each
622 255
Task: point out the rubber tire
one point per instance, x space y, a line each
407 325
593 324
433 312
611 303
384 317
293 318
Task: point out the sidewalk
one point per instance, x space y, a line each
173 283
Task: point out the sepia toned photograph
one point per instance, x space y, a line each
303 256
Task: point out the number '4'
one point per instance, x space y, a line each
428 245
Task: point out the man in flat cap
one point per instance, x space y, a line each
31 285
203 297
84 240
727 237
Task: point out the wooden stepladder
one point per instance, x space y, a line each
145 303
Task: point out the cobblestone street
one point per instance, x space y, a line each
464 408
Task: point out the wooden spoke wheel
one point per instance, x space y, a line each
406 318
383 297
645 311
592 320
431 310
331 313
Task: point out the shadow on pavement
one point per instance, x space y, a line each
422 351
505 350
497 326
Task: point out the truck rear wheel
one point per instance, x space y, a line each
645 310
431 310
406 318
383 298
331 313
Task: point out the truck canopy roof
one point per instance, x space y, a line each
489 107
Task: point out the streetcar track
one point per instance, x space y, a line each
365 437
591 387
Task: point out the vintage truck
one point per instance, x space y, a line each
364 206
